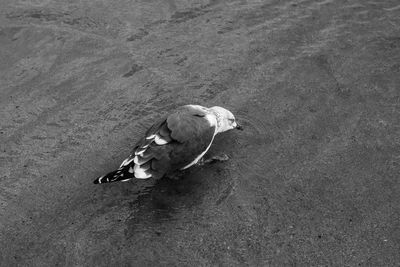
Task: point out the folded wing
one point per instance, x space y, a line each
171 143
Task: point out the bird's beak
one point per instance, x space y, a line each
239 127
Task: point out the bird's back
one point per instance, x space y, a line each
174 142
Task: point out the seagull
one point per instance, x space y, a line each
176 142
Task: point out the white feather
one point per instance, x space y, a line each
126 162
141 174
160 141
140 153
136 168
151 137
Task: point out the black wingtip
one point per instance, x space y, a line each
98 180
120 175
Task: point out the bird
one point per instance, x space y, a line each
173 143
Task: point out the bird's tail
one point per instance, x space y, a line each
120 175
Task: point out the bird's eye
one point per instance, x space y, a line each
232 120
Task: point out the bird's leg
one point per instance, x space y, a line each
201 162
178 175
222 157
213 159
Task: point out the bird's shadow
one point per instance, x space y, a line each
152 205
172 202
166 200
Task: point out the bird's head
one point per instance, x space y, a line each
225 120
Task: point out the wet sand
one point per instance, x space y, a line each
313 179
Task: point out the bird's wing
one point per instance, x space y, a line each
169 144
172 143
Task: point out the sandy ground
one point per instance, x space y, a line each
313 180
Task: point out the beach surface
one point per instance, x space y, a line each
312 180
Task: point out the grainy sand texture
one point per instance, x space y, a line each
313 179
